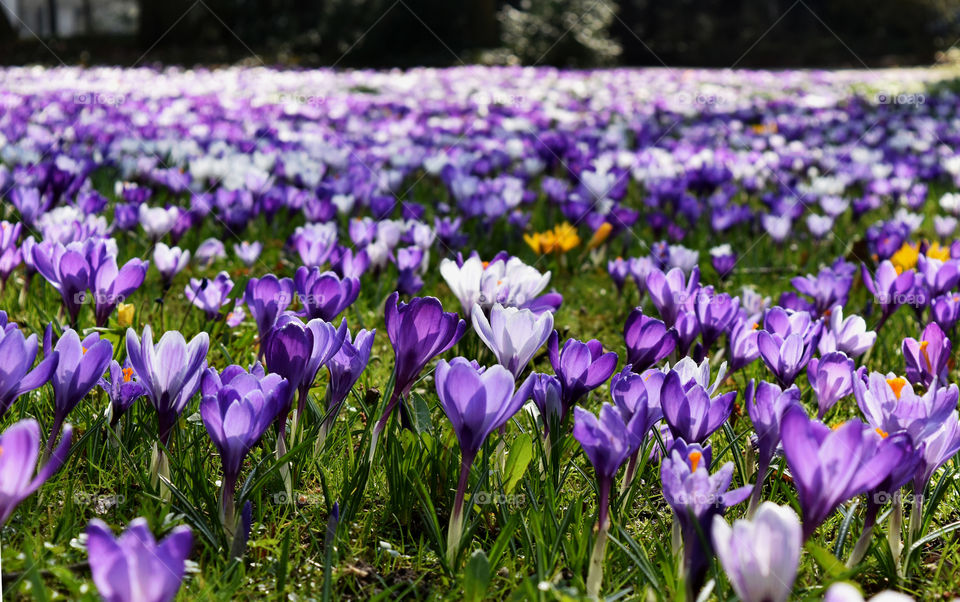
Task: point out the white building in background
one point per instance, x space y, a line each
71 17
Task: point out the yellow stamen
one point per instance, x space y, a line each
926 356
84 350
897 384
695 458
755 326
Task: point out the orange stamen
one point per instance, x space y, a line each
695 458
127 374
926 356
897 384
884 434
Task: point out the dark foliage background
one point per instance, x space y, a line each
571 33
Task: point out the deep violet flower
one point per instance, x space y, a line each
419 331
477 402
580 368
324 294
648 340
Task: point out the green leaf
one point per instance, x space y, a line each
827 561
420 414
521 453
476 576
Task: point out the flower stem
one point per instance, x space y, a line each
595 572
455 532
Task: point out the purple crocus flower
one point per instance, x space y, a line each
78 370
889 288
723 260
170 372
938 276
16 356
607 442
237 408
514 335
345 368
21 447
297 351
248 252
766 404
10 253
688 409
890 404
324 294
121 389
580 368
898 451
715 313
410 262
169 261
760 556
209 251
267 298
209 295
742 344
419 331
938 447
640 268
640 409
134 567
477 402
785 356
828 288
926 359
945 311
618 269
696 497
648 340
546 396
671 292
831 378
830 466
848 335
351 265
67 270
315 243
111 286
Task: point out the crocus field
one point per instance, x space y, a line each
479 333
